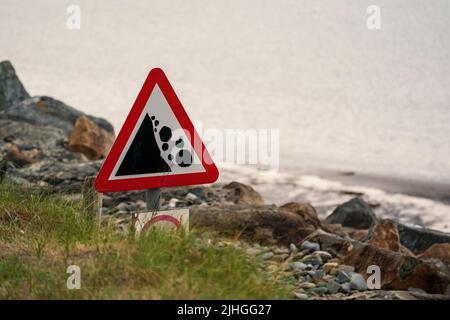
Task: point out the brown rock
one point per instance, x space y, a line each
240 193
262 223
384 235
360 235
91 140
327 267
398 271
439 251
305 211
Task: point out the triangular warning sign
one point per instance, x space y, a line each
157 145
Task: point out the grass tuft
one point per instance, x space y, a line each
41 235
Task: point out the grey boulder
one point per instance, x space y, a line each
418 239
46 111
355 213
11 89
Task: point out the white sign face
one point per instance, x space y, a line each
169 137
167 219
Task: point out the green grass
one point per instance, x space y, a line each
41 235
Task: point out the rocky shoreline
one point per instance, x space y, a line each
48 145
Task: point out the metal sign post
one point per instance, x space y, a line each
152 197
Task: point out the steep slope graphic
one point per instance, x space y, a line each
144 155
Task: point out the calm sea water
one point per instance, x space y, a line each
344 97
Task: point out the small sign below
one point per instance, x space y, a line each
167 219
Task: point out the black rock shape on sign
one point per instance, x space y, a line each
144 155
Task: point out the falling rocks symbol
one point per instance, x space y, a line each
143 156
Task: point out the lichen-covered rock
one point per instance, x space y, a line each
49 143
11 89
19 157
90 139
355 213
46 111
57 176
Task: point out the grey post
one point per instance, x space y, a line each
152 199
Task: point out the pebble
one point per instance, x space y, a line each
312 246
181 204
312 259
132 207
320 290
328 277
327 267
318 274
297 265
122 207
357 282
343 277
173 202
293 248
333 287
141 204
277 250
300 295
324 255
191 197
267 255
307 285
345 287
347 269
334 272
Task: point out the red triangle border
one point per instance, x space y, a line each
102 182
